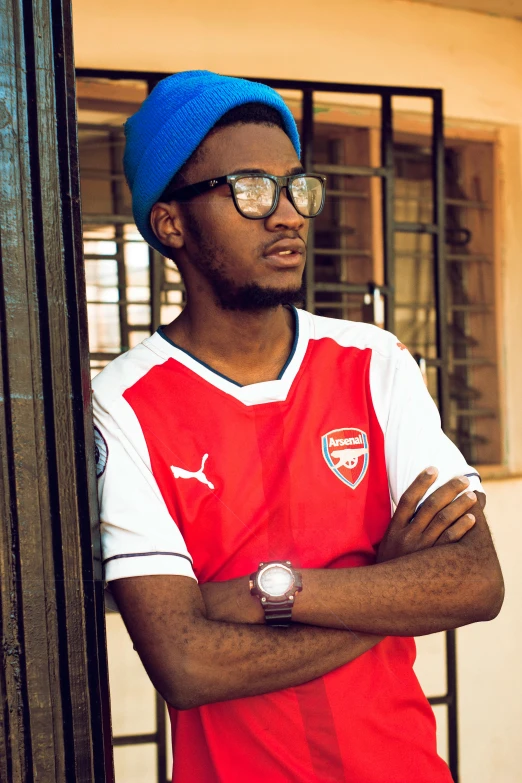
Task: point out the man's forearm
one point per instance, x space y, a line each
229 661
410 596
192 660
404 597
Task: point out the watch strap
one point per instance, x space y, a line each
278 614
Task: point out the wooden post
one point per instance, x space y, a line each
54 711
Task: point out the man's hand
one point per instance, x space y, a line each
439 520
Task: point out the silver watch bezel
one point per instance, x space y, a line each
285 565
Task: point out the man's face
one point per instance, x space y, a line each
233 254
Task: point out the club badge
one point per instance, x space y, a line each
346 453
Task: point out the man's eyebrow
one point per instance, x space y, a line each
294 170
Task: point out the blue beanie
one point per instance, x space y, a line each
173 121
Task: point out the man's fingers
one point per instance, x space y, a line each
438 500
412 497
457 531
447 517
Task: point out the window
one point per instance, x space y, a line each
131 289
470 286
349 274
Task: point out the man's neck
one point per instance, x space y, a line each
248 347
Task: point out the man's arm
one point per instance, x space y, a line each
193 661
190 659
438 588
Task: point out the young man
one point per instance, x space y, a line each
255 447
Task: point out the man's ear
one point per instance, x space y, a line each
165 221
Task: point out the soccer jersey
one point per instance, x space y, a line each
203 477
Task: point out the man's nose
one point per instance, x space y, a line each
285 214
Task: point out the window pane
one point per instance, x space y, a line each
348 246
135 763
470 286
104 328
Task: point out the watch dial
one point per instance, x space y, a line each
276 581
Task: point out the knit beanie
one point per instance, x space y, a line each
172 121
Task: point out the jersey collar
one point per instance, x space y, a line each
254 393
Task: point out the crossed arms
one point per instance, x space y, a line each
207 643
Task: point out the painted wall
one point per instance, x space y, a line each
489 672
477 60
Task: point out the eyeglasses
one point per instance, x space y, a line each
256 196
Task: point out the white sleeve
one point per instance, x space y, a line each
138 535
411 424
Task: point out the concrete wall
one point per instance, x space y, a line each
477 60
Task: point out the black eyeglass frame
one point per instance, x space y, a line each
190 191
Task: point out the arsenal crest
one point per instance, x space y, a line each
346 454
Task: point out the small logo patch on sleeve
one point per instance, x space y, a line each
101 452
402 346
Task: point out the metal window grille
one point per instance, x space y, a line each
388 205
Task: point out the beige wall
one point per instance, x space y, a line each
490 675
477 60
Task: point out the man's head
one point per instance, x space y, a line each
241 260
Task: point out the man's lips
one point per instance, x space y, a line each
286 253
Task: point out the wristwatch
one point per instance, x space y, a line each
276 584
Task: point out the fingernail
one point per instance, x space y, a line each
471 517
432 471
464 480
471 495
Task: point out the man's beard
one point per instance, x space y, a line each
231 295
250 296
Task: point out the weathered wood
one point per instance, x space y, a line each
55 723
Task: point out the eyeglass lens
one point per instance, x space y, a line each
255 195
307 193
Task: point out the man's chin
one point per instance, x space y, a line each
253 297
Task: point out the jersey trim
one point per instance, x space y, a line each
252 394
195 358
147 554
295 343
161 333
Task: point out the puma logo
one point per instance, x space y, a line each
199 475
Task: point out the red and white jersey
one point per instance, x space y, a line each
202 477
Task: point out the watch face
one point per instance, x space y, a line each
275 580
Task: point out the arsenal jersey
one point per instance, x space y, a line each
203 477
